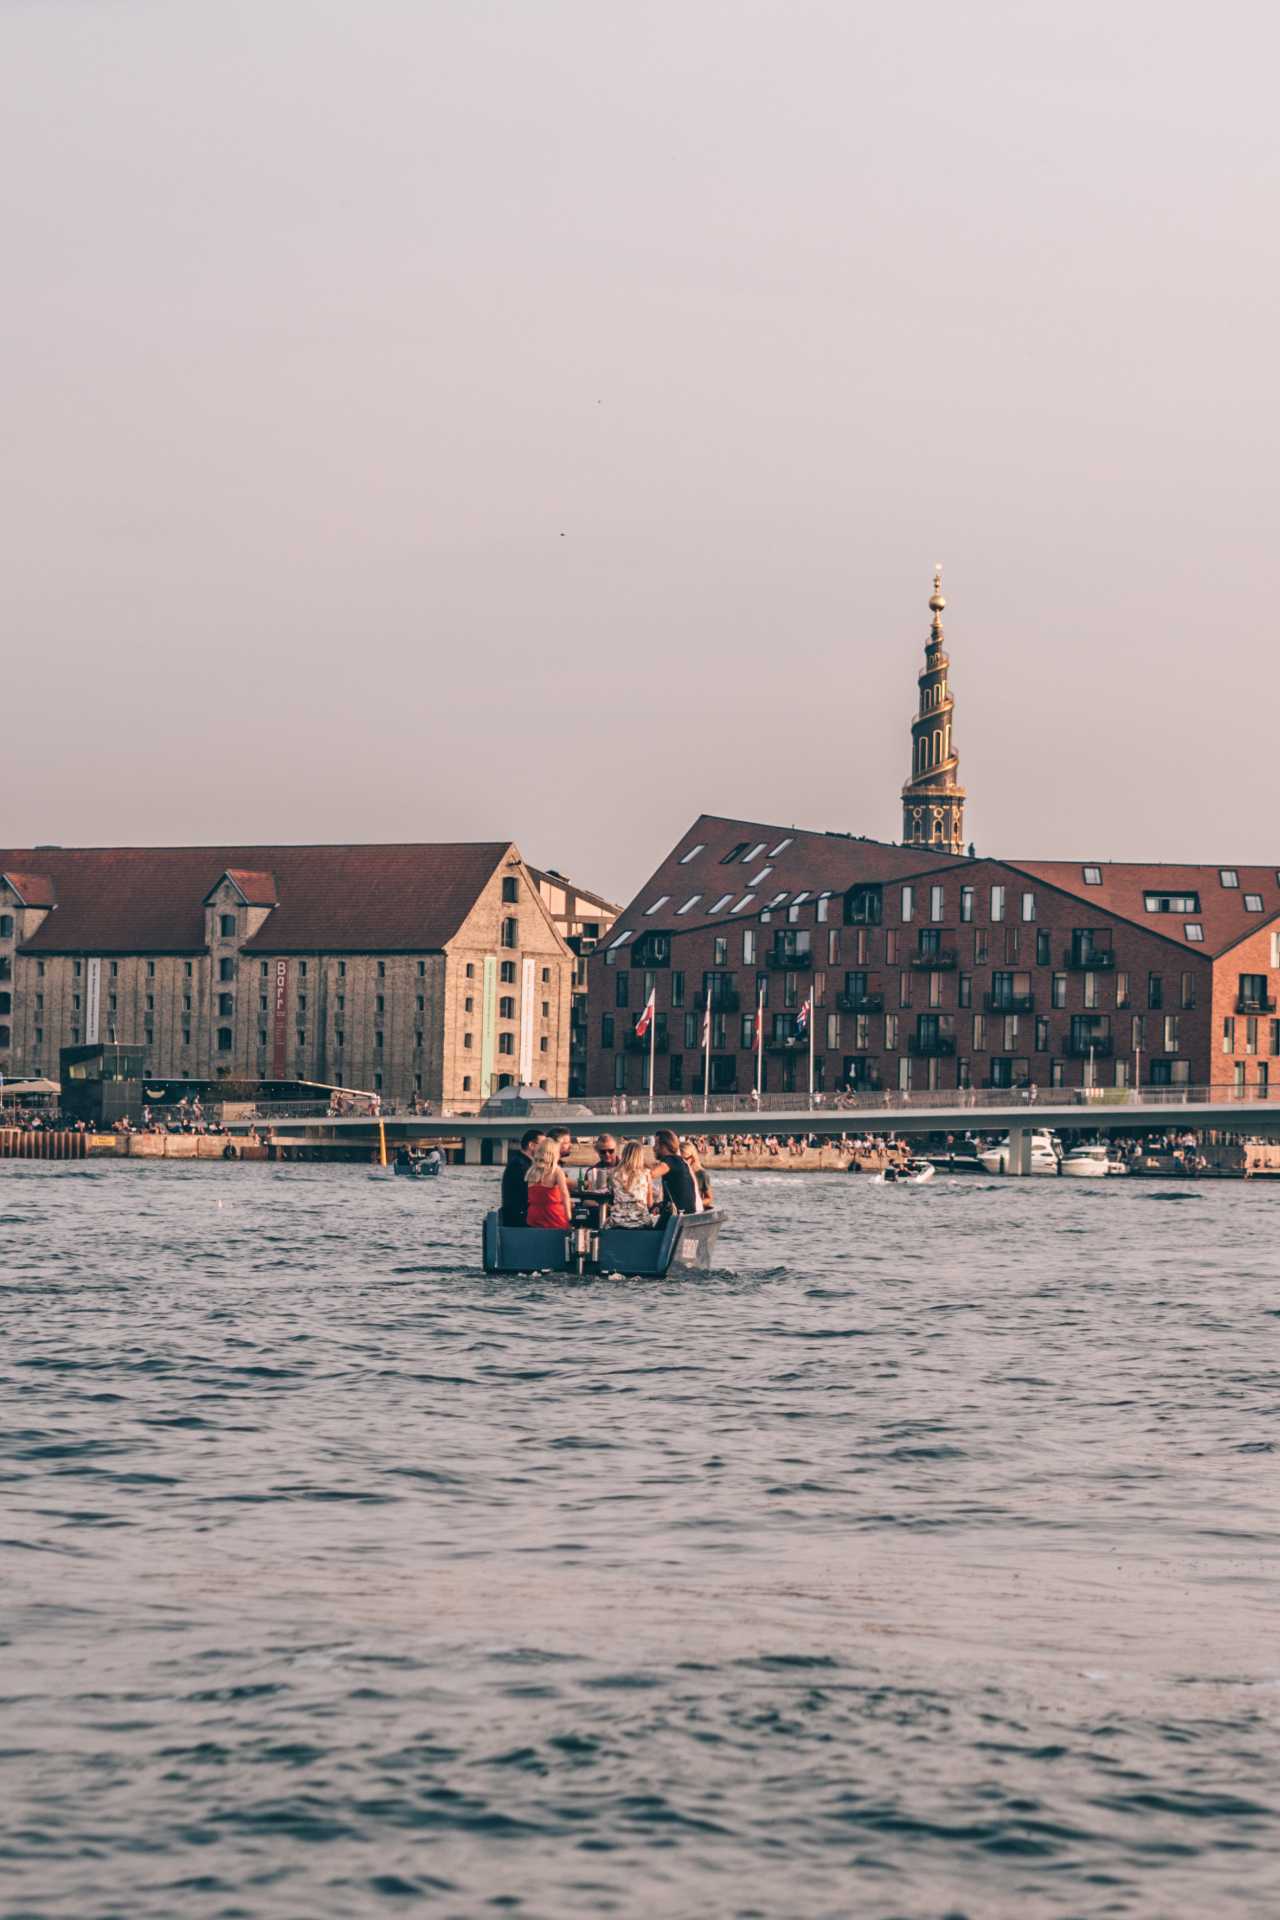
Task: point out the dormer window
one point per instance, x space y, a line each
6 926
1171 902
227 926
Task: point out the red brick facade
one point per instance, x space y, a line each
922 975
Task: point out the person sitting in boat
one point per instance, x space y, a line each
515 1189
404 1159
547 1187
599 1178
678 1188
433 1160
631 1187
701 1178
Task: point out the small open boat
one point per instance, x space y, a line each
415 1169
684 1242
914 1174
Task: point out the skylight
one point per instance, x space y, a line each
721 903
661 901
781 846
1092 876
622 939
1253 903
690 903
693 853
1228 876
1193 930
745 901
758 879
755 852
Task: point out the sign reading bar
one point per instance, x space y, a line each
280 1022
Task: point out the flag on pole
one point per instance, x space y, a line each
802 1018
646 1016
706 1026
758 1035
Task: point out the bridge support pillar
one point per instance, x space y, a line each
472 1151
1020 1150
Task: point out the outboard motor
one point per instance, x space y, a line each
584 1247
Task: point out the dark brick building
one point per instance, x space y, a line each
927 970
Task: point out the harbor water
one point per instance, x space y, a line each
919 1561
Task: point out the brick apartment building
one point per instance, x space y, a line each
429 970
925 967
929 973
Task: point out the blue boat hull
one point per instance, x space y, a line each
683 1244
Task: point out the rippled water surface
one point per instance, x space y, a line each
920 1561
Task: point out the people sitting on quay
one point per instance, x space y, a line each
548 1190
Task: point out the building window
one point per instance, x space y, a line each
621 988
226 1005
422 969
1253 903
1228 1034
1028 906
1194 931
511 932
511 888
908 902
1155 991
937 902
749 947
507 972
1043 956
693 853
379 1002
466 1083
506 1043
546 975
997 904
507 1007
1228 876
966 903
1171 1033
6 926
543 1044
1122 989
342 970
224 1039
227 926
1058 990
377 1040
466 1041
1092 876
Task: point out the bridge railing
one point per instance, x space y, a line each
692 1106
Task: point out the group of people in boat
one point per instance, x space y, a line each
634 1186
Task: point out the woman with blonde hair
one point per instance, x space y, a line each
631 1185
701 1178
548 1188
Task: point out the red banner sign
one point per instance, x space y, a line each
280 1024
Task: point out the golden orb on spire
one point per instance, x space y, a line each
937 599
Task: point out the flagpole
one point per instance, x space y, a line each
759 1046
706 1055
813 1021
653 1047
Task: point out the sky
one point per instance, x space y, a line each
468 419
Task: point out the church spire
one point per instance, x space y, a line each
933 799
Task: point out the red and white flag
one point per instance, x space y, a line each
803 1017
759 1035
646 1016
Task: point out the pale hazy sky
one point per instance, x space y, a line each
460 418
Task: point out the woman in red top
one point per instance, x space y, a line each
548 1188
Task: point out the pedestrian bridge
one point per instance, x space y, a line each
1102 1110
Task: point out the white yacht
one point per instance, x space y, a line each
1044 1154
1087 1162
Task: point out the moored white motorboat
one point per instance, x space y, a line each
1086 1162
1044 1154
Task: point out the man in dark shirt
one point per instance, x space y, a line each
515 1192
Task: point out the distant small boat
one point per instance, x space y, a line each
683 1242
914 1174
416 1169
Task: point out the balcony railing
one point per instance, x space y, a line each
1255 1003
725 1002
1089 959
795 1043
1009 1002
792 962
1080 1046
931 1043
860 1002
639 1042
938 962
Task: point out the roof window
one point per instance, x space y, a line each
1253 903
661 901
777 899
1092 876
1193 930
693 853
801 897
755 852
745 901
622 938
1228 876
690 903
781 846
735 853
721 903
758 879
1171 902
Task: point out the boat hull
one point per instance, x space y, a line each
682 1244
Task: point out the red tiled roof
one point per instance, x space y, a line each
355 899
33 889
259 889
1222 911
804 861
